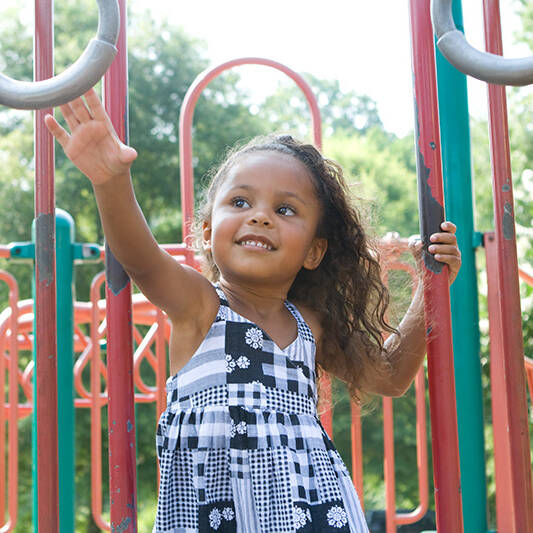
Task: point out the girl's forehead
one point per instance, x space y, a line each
268 168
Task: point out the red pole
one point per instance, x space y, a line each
122 463
508 290
436 292
45 287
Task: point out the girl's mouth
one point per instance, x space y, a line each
255 243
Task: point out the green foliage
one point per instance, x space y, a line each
380 167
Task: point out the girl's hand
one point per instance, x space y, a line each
93 145
444 248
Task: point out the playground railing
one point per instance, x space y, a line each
151 331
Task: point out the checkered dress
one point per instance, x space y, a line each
241 448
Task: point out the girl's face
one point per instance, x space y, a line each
264 221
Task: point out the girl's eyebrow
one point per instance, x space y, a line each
253 189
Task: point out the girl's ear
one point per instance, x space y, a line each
206 235
315 253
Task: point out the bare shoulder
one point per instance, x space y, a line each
204 303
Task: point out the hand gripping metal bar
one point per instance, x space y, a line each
481 65
76 79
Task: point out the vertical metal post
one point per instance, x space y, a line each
65 368
122 463
45 306
508 289
436 293
456 162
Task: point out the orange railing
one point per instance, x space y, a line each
16 324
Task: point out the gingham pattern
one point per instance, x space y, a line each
240 446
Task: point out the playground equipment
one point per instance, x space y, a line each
484 66
78 78
512 460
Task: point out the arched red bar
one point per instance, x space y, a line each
186 118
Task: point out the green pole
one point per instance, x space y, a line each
456 160
65 384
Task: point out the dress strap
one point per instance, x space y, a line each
304 331
222 313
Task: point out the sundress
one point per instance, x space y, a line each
240 446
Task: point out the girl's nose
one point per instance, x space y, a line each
260 218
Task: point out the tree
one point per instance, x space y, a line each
287 109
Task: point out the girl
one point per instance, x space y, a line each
293 283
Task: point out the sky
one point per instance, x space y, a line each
363 44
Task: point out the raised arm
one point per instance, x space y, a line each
407 350
95 149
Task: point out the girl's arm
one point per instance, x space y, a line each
95 149
406 351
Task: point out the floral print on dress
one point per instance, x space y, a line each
242 362
337 516
254 337
301 517
215 516
239 428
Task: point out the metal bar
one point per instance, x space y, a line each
96 409
45 282
357 452
508 288
390 478
122 462
65 350
502 451
436 292
12 413
456 162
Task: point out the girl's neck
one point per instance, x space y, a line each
256 301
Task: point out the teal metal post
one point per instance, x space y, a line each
456 160
67 252
65 379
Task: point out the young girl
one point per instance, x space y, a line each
293 284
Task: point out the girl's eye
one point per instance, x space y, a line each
286 210
239 202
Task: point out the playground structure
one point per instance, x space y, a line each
442 152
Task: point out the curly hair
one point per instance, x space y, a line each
345 290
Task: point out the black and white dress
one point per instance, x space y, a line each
240 446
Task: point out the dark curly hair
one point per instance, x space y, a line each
346 290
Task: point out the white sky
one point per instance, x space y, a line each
363 44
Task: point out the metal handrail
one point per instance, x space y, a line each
76 79
484 66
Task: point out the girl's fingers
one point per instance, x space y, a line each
56 130
94 104
447 238
448 226
70 118
80 110
451 260
444 249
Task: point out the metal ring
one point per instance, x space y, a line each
484 66
75 80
